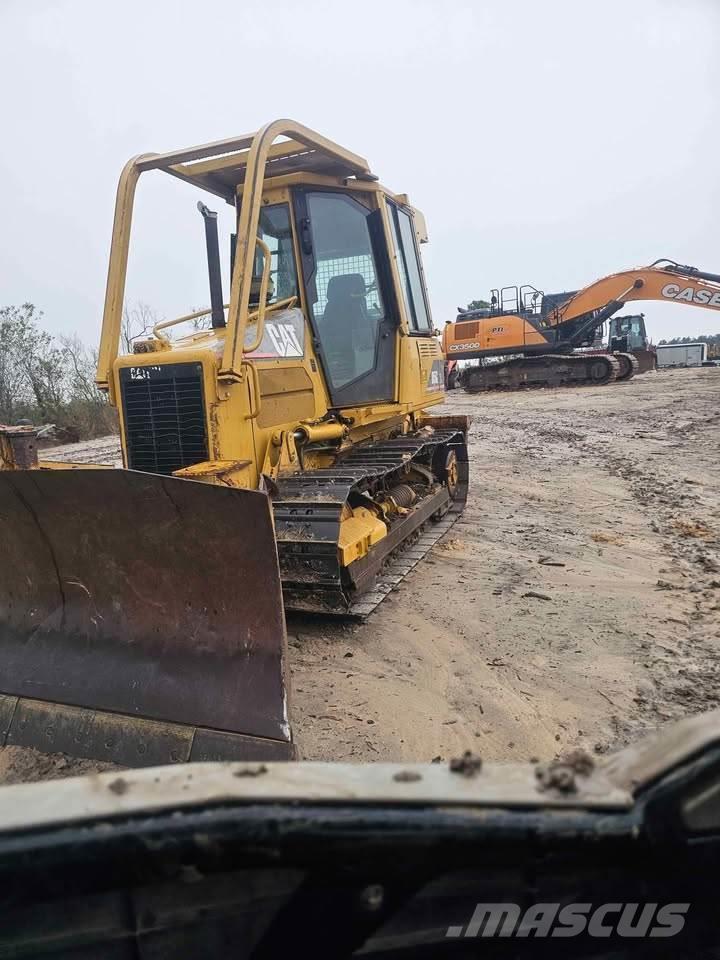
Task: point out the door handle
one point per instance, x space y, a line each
305 236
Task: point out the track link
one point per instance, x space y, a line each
398 567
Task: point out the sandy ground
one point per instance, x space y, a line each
105 451
575 604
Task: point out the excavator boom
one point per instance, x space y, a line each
671 282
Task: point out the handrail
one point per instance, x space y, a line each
196 314
254 376
184 319
269 308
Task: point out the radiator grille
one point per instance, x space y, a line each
164 412
428 348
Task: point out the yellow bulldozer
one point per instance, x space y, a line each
281 458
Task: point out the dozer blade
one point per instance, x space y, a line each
141 619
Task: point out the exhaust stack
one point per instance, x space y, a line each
213 260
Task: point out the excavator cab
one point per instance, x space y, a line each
278 458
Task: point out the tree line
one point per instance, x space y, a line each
710 338
46 379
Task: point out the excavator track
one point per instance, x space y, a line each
544 370
308 508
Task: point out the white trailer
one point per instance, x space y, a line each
681 354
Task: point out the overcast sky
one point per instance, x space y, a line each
546 142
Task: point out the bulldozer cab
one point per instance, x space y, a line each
343 273
345 269
628 333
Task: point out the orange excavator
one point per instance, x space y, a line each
528 338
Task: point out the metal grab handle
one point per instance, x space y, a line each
188 316
270 308
196 314
254 406
260 333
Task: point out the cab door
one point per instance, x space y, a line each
350 300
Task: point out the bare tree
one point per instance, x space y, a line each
201 323
46 373
15 322
137 321
48 380
87 409
81 367
32 366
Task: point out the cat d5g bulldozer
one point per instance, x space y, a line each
282 457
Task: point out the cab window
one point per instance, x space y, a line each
274 229
344 291
407 257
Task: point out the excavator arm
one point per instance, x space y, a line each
662 280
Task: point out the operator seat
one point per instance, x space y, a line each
346 326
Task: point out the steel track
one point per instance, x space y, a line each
307 512
515 364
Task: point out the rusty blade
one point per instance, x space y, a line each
146 597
